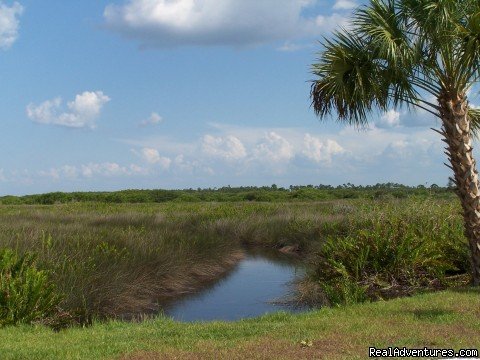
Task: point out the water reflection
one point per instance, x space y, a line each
258 285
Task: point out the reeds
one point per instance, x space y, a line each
112 261
122 260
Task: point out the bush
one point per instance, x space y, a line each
25 292
389 253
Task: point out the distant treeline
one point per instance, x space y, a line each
244 193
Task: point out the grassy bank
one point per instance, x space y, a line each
438 320
118 260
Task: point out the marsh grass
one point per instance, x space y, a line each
124 260
120 261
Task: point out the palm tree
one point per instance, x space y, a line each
413 53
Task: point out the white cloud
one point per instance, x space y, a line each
109 169
9 23
152 156
154 119
91 170
228 148
52 173
344 5
104 169
270 155
138 170
82 112
289 46
390 119
321 151
212 22
69 171
183 166
3 178
418 149
331 22
274 148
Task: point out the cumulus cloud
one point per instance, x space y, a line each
269 155
390 119
152 156
252 155
52 173
320 151
154 119
274 148
394 119
228 148
104 169
81 112
69 171
212 22
9 23
344 5
91 170
327 23
420 149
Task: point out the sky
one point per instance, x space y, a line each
101 95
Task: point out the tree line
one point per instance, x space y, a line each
230 194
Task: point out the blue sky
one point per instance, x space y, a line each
114 94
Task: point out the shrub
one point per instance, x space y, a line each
25 292
391 252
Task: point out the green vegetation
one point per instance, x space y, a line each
439 320
25 294
392 250
414 54
124 260
107 263
117 261
231 194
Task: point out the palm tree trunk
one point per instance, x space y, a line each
456 130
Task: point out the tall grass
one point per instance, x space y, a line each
124 260
121 260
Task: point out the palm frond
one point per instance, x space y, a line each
474 115
349 80
386 31
396 52
469 47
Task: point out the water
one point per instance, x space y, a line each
255 287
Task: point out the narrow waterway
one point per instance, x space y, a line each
262 283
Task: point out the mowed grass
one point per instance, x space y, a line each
449 319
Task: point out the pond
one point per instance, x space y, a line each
260 284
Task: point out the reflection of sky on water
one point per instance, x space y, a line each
246 292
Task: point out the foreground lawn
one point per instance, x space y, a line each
448 319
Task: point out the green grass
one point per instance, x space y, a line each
112 260
119 260
438 320
122 259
